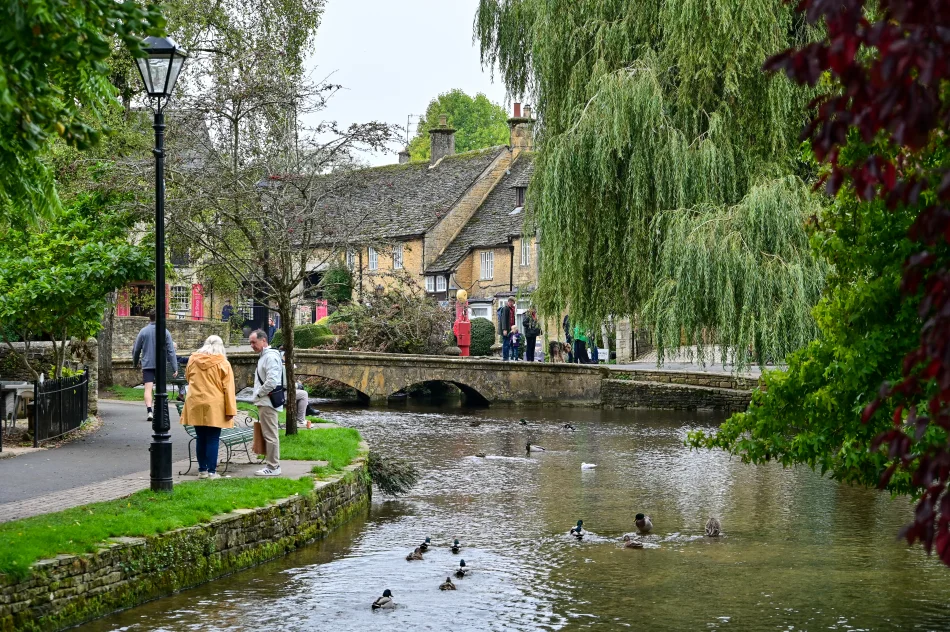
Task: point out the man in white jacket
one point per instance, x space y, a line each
268 376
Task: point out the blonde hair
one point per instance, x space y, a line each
213 346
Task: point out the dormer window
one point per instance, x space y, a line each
519 195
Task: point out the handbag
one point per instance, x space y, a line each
278 396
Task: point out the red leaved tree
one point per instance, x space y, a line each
890 76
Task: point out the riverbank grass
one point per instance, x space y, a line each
123 393
84 529
338 446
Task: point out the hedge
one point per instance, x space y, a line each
483 337
306 336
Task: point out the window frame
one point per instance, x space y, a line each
486 257
175 302
430 283
440 283
351 260
373 258
520 195
525 252
397 260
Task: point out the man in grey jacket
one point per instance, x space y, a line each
268 376
145 347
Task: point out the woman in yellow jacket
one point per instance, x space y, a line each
211 404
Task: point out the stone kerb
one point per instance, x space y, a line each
71 589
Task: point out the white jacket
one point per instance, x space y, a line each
270 366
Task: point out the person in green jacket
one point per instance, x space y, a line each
580 344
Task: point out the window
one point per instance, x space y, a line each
519 196
487 271
373 259
246 308
179 300
479 311
397 257
351 260
440 283
525 251
430 284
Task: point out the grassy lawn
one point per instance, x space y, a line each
338 446
83 529
124 393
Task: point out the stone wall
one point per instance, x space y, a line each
188 335
71 589
41 358
634 394
714 380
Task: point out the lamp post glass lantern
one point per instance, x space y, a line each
160 69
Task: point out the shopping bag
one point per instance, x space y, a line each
259 446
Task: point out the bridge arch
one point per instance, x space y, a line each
470 396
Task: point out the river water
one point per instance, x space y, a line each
798 552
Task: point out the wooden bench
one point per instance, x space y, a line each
236 437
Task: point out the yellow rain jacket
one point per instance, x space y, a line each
210 392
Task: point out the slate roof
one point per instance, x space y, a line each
492 224
408 199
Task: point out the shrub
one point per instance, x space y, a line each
483 337
338 285
306 337
392 476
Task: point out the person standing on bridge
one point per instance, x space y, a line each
506 322
269 396
531 330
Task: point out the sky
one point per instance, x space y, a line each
393 57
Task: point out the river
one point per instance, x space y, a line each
798 551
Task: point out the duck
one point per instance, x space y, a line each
569 427
480 455
630 543
578 531
523 422
713 527
530 447
644 524
474 424
415 555
461 571
385 602
588 466
425 545
447 584
456 547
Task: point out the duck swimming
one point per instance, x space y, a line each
425 545
385 602
461 571
529 447
523 422
578 531
644 524
569 427
415 555
475 424
630 543
713 528
456 547
447 584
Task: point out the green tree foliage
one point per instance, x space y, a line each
483 337
811 412
306 336
668 184
54 82
337 285
478 122
55 277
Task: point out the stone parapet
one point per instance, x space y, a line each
691 378
71 589
188 335
658 395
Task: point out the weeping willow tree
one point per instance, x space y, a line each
668 184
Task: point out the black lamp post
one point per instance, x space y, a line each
159 70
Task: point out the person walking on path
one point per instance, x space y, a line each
268 378
532 330
144 347
211 404
506 322
271 329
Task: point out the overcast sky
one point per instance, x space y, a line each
393 57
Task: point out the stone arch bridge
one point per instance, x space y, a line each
377 376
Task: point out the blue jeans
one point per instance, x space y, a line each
206 448
506 349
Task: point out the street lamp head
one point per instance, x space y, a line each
160 67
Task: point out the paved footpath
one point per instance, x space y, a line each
108 464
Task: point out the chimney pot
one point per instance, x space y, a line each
527 111
443 120
517 110
442 140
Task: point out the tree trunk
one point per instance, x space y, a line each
105 342
287 329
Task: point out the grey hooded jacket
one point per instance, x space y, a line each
145 346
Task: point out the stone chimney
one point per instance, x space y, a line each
443 140
521 130
404 156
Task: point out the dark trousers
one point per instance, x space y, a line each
580 352
206 448
529 343
506 349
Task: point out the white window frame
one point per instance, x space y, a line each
486 270
179 301
525 252
479 311
351 260
440 283
373 259
430 284
397 257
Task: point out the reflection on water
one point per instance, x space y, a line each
798 552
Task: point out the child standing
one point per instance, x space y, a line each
517 341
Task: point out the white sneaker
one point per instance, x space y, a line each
268 472
202 475
213 475
149 417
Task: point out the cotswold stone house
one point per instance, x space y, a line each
452 223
